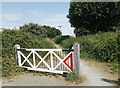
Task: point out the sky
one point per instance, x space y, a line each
15 14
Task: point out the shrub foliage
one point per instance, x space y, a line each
43 31
103 47
59 39
26 40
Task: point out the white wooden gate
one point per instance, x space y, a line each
45 60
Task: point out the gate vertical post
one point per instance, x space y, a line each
51 57
18 59
76 60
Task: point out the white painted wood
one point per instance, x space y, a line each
57 56
61 61
52 67
51 58
26 59
19 58
45 70
64 64
42 60
17 46
34 64
44 49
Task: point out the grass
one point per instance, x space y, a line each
114 66
74 78
86 55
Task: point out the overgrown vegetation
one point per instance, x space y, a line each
72 77
42 31
59 39
91 20
9 67
102 47
26 40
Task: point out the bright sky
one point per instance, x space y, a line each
15 14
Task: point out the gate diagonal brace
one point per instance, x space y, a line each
42 59
64 61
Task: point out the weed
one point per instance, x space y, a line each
72 77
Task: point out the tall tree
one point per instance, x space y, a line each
94 17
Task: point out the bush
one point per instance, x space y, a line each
42 31
34 29
51 32
26 40
9 67
118 41
59 39
104 47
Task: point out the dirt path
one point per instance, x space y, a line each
33 80
95 76
92 76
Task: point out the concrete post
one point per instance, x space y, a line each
76 61
16 54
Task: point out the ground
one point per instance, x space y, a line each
93 76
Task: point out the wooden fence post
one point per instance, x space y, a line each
16 53
76 60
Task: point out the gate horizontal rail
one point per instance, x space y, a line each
46 49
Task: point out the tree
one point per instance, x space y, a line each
34 29
51 31
94 17
44 31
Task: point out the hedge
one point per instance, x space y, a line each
103 47
26 40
